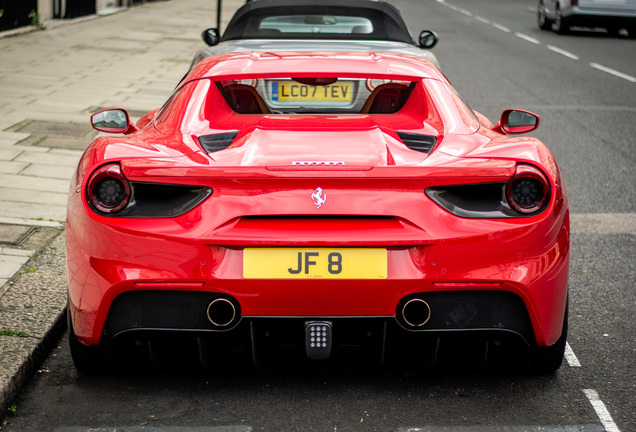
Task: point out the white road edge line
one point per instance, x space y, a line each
500 27
613 72
465 12
571 357
528 38
601 411
563 52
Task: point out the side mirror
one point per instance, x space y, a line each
428 39
211 36
112 121
514 121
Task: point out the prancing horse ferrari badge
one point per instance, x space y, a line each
318 198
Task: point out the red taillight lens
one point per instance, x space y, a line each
108 190
528 190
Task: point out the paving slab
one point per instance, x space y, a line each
11 209
48 171
12 167
10 265
50 158
34 183
9 154
16 252
35 197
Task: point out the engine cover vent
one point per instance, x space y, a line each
215 142
418 142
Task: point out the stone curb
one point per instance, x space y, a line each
43 319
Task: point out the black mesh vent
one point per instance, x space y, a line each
421 143
215 142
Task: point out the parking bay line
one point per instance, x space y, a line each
570 357
601 411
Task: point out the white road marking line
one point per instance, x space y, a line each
465 12
603 223
482 19
601 411
528 38
613 72
500 27
571 357
563 52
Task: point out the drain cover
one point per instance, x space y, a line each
14 234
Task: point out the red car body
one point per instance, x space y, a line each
317 186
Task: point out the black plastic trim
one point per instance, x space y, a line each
217 142
161 200
418 142
475 201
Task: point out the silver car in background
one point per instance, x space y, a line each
561 15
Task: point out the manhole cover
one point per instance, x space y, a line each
55 134
49 128
14 234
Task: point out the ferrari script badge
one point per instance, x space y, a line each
318 197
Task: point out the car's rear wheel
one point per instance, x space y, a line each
547 360
88 360
560 24
543 21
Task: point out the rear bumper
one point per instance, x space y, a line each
527 262
595 17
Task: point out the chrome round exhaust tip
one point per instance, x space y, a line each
416 312
221 312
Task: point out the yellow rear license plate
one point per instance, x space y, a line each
314 263
283 91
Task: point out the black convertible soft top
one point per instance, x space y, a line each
386 19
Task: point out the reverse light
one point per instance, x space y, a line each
108 190
528 190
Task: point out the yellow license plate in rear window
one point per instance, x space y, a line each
289 91
314 263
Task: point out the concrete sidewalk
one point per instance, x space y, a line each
50 82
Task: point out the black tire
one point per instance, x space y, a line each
614 31
546 360
88 360
543 21
560 24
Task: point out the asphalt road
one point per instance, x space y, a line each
583 87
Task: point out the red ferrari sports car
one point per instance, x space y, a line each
321 202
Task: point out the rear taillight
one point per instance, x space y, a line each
528 190
108 190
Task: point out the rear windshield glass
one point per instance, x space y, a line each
329 24
315 95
